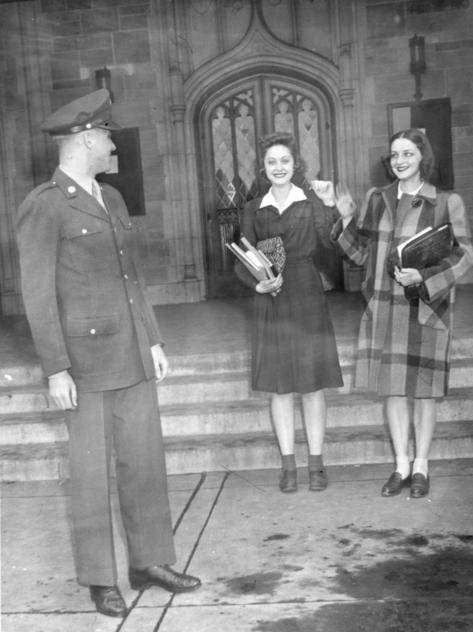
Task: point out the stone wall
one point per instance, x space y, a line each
157 50
449 73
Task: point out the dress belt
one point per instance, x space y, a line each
294 261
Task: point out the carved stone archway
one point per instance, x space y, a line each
260 51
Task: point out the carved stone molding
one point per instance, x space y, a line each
347 96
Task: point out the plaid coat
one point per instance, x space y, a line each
403 346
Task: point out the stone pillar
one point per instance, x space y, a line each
353 161
184 223
25 52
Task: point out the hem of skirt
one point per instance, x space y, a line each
303 391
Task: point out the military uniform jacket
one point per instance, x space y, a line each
84 299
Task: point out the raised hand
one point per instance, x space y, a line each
324 190
344 201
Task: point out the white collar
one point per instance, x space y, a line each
401 193
296 194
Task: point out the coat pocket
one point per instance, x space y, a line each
429 316
92 326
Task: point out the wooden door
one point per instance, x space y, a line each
230 125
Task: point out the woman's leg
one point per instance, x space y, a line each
315 419
397 411
424 425
282 411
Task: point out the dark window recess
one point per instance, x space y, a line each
434 117
129 179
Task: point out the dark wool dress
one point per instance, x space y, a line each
293 343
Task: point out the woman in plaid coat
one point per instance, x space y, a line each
405 332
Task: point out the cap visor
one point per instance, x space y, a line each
109 125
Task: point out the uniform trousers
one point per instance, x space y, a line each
125 422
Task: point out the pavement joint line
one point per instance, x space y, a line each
135 601
227 469
194 548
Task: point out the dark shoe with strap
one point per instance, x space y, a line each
394 484
318 480
163 576
108 600
288 481
420 485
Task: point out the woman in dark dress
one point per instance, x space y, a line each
294 348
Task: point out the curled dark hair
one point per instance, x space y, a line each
422 143
288 140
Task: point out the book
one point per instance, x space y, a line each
427 247
253 259
273 249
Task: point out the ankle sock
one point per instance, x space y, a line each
421 466
316 462
288 462
402 466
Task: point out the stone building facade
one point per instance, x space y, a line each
198 82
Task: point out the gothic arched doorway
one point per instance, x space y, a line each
230 124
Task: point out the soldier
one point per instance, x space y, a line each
100 347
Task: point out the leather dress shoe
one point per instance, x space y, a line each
394 484
420 485
163 576
318 480
288 481
108 600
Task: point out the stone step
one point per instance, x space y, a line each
13 376
343 446
196 388
230 417
257 450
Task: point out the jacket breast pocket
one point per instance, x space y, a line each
88 244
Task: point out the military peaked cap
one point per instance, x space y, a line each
91 110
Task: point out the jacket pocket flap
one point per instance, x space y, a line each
98 326
83 229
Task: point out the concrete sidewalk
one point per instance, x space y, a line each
344 560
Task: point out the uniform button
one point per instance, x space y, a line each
121 253
131 300
125 276
71 189
84 231
93 331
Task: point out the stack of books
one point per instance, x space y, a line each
253 259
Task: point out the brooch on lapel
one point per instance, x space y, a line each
416 202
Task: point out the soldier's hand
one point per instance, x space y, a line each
161 364
63 391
